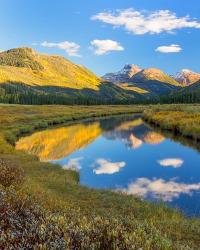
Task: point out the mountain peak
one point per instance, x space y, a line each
123 75
187 77
20 57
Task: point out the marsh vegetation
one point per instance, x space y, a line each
49 209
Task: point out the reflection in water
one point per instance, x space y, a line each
134 133
107 167
73 164
53 144
175 163
134 142
152 137
160 189
123 153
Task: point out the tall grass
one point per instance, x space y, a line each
180 119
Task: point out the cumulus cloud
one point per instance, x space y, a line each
173 48
108 167
160 189
70 48
142 22
171 162
102 47
73 164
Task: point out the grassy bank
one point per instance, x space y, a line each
180 119
42 205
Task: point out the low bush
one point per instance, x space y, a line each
10 174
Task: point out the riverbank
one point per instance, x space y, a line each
45 206
181 120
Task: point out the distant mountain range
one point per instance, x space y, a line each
153 81
29 77
134 74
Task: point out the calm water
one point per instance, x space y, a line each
123 153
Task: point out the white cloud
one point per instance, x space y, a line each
102 47
142 22
171 162
160 189
73 164
108 167
173 48
70 48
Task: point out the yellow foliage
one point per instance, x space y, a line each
53 144
57 71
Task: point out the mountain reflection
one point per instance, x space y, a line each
134 133
54 144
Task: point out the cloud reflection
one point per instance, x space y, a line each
160 188
171 162
108 167
73 164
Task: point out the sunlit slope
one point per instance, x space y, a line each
25 72
24 65
54 144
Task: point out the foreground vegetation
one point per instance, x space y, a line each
43 206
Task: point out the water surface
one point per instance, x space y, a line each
123 153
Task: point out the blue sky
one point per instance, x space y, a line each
103 35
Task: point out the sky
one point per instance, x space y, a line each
103 35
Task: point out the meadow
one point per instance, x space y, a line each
181 120
43 206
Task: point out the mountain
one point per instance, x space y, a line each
124 75
29 77
153 74
149 82
29 67
187 77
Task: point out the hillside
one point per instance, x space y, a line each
26 66
32 78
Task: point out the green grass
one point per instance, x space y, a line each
50 210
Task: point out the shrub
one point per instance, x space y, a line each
10 174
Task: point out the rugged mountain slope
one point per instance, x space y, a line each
124 75
154 81
187 77
153 74
148 82
27 76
